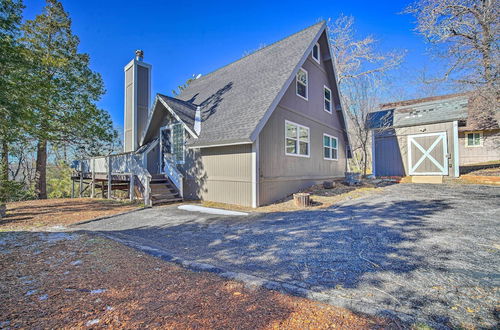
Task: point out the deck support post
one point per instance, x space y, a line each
102 190
80 189
72 188
109 177
92 192
131 186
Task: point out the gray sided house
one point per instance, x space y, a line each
432 136
249 133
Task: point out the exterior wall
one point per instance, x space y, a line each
128 136
490 149
398 149
281 175
219 174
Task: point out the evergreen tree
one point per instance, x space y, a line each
12 93
65 90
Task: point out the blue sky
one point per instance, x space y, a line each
182 38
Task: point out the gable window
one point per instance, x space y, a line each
474 139
178 142
296 139
302 81
330 147
328 99
315 53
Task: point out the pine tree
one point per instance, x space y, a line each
65 90
12 92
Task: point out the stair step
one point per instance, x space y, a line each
166 200
163 196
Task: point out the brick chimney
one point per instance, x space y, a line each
137 101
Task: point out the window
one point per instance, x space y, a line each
328 99
178 142
302 83
474 139
330 147
296 139
315 53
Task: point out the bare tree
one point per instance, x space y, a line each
361 70
465 34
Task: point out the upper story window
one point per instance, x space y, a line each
330 147
328 99
178 142
315 53
302 81
474 139
296 139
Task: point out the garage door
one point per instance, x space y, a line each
428 154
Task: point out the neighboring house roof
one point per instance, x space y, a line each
424 111
236 100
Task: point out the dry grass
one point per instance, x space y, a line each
56 280
38 214
321 198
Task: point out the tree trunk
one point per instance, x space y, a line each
4 177
41 170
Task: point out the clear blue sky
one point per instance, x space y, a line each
182 38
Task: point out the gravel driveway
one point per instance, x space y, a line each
429 253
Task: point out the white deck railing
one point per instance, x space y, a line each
173 173
118 164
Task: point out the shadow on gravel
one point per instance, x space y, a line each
344 247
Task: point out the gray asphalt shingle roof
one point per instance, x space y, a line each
185 110
234 98
421 112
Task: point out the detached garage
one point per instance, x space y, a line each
424 137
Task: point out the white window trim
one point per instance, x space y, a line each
298 145
325 99
480 139
318 60
307 85
331 148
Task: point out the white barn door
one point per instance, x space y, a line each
428 154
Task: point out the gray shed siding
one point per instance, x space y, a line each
281 175
489 151
392 157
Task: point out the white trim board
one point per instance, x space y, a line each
426 153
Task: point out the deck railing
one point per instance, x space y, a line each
125 164
173 173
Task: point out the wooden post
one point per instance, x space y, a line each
131 186
302 199
102 189
109 177
72 188
92 192
81 180
147 201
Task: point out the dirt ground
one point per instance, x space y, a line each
38 214
321 198
61 280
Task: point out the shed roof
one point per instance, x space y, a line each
424 111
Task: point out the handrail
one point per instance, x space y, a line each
173 173
123 163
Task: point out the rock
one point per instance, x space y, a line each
328 184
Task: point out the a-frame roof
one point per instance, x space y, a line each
235 98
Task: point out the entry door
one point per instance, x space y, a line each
428 154
165 146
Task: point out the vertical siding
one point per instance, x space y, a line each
220 174
128 138
490 150
143 94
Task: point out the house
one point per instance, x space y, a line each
431 136
249 133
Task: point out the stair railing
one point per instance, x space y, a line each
170 168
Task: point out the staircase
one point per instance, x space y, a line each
163 191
